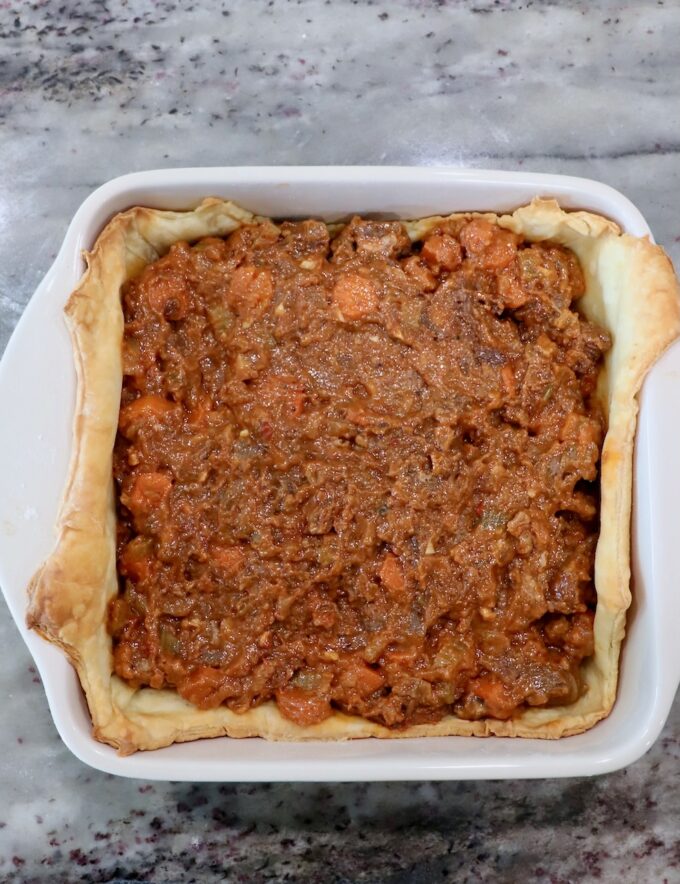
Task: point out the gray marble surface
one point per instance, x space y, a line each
92 89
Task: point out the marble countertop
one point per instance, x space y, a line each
90 90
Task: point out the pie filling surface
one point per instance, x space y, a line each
358 473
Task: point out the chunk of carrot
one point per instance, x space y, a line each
136 559
495 695
356 296
493 247
148 492
250 291
442 250
356 675
139 411
302 707
368 680
392 575
228 559
205 687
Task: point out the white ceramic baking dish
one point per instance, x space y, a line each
37 394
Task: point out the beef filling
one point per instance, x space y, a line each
358 473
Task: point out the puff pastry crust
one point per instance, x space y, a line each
631 290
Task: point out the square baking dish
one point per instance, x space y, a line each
37 396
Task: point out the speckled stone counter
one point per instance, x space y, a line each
92 89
